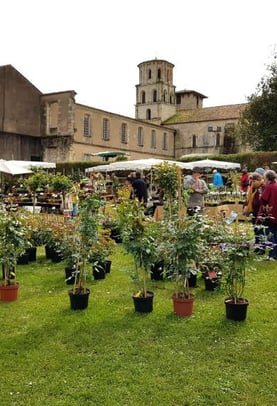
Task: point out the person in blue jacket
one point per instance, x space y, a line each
217 179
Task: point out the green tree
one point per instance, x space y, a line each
258 125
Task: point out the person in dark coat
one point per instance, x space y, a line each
140 188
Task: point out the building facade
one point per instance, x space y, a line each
167 124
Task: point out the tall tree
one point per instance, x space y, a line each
258 125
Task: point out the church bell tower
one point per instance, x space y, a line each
155 93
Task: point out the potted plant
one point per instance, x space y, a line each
62 185
86 233
237 259
139 237
180 245
13 243
211 262
100 253
35 183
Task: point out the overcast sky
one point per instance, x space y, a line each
220 48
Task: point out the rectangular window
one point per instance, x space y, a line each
87 125
106 129
165 141
153 139
218 129
124 136
140 136
210 129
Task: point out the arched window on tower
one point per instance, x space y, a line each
165 96
159 74
154 96
149 74
143 97
148 114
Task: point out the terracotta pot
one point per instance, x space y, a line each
9 293
183 306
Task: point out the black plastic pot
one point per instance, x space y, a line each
144 304
192 280
79 301
157 271
23 259
108 265
32 252
212 284
236 311
99 271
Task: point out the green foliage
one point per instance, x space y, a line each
139 237
86 235
258 125
37 181
60 183
13 241
180 245
237 256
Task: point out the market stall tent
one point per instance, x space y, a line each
34 164
135 165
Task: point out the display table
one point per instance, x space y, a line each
223 211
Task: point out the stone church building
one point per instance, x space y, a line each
168 123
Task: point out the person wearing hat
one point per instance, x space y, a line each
261 171
197 189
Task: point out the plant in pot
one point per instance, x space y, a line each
100 252
179 242
139 237
61 184
69 251
13 243
238 254
86 231
211 262
35 183
180 246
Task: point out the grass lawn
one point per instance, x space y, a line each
109 355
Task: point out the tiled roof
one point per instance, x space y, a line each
232 111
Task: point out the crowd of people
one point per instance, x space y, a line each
259 189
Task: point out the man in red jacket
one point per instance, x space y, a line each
268 208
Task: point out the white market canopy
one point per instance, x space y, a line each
135 165
12 168
209 163
34 164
